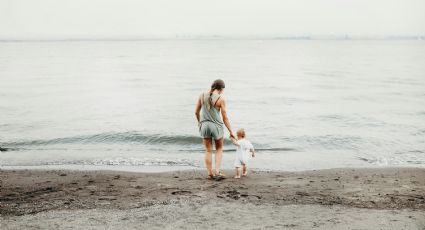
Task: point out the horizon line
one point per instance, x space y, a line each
224 37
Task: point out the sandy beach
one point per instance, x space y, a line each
387 198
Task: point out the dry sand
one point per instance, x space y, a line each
391 198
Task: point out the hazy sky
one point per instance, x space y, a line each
26 19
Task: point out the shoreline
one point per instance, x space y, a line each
174 168
392 192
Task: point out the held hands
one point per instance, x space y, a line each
233 139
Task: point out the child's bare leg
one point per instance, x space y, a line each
244 170
237 173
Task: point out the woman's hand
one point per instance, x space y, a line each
232 134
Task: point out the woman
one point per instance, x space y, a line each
210 124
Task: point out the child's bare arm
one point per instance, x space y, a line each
234 141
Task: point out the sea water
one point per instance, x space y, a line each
305 104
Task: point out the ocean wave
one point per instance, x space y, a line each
117 161
112 138
414 157
353 120
193 143
267 149
5 149
332 142
256 149
130 162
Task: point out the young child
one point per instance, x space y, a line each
244 149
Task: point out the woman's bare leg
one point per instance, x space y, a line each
218 154
208 155
244 170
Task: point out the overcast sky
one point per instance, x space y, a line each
28 19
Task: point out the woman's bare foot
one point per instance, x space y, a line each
245 173
210 177
237 177
218 173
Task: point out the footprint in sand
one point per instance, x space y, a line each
181 192
236 195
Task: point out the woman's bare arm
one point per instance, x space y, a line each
222 105
198 109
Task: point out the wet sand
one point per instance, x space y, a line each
390 198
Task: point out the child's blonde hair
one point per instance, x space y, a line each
241 133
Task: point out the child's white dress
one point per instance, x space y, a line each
243 152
